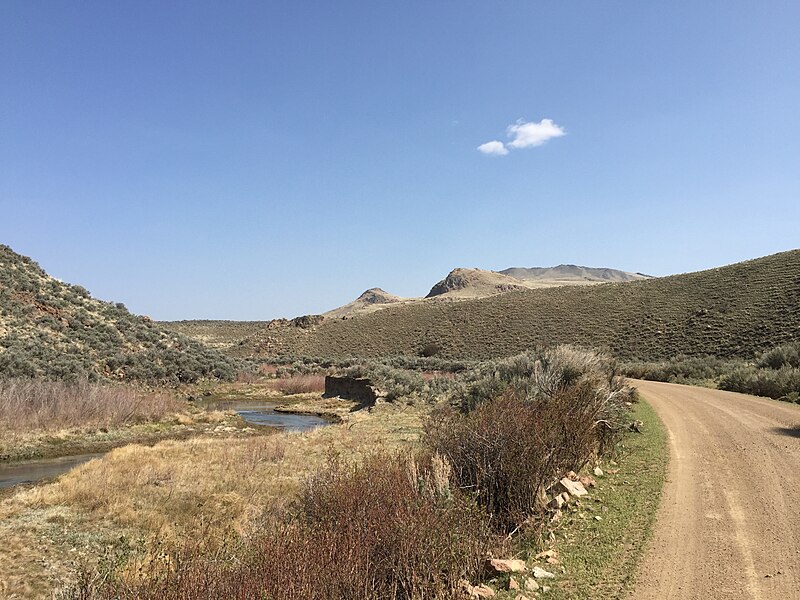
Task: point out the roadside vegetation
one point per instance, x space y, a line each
475 472
774 374
599 555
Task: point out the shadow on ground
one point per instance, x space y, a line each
788 431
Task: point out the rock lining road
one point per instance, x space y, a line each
729 521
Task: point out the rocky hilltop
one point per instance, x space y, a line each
474 283
372 299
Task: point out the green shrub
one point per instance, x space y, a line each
782 383
787 355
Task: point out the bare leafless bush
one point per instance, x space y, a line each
387 528
30 404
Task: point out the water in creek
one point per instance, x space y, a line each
257 413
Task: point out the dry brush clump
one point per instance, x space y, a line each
35 404
524 424
388 527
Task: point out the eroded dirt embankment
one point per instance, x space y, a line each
729 521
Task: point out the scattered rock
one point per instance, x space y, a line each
540 573
557 502
476 591
598 472
483 591
513 584
531 585
547 554
501 565
545 588
573 488
587 481
598 518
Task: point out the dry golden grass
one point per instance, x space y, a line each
177 487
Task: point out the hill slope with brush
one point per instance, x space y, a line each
52 329
737 310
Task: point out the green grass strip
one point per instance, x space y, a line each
599 557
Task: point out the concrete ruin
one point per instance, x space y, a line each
358 389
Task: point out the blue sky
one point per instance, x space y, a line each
255 160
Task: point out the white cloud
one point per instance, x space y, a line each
531 134
524 134
493 147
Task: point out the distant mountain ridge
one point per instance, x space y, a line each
569 273
470 283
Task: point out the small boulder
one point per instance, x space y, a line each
531 585
502 565
573 488
483 591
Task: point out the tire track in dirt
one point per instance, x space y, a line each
729 521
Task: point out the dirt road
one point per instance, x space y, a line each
729 521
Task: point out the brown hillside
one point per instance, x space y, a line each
736 310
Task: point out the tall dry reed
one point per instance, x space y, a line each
34 404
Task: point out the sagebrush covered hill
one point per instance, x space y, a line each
733 311
56 330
